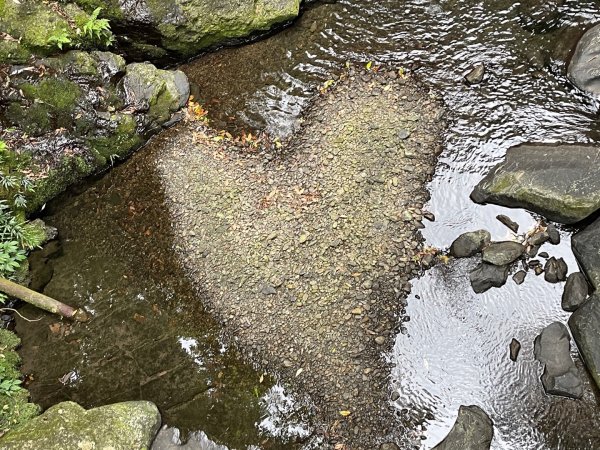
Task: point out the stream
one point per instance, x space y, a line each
117 243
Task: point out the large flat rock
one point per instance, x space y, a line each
585 327
304 254
586 247
560 182
120 426
584 68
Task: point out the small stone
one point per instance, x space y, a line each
575 292
429 216
475 76
539 238
515 348
553 234
287 363
544 255
403 133
507 221
502 253
486 276
555 270
519 277
470 243
380 340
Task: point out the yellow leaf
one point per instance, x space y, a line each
261 379
344 413
369 64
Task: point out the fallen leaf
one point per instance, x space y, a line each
139 318
345 413
299 371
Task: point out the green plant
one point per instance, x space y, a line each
59 38
10 387
98 29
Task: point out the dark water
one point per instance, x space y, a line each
150 337
455 350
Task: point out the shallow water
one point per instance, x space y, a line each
455 350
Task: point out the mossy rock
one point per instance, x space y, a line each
120 426
15 408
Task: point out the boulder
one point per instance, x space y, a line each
553 349
586 247
584 68
585 326
575 292
486 276
120 426
503 253
560 182
555 270
470 243
187 27
473 430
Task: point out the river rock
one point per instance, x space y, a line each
553 234
555 270
503 253
586 247
170 439
485 276
538 238
470 243
515 348
575 292
553 349
508 222
584 68
585 326
519 277
473 430
560 182
475 76
127 425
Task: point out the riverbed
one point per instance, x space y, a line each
454 348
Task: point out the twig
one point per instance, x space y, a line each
21 315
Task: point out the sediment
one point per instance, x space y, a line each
305 253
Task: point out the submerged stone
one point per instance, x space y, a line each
555 270
473 430
553 349
561 182
584 68
585 326
127 425
486 276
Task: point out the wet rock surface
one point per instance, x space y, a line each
585 326
470 243
586 247
584 67
575 293
473 430
330 224
486 276
502 253
558 181
553 349
555 270
77 113
127 425
514 349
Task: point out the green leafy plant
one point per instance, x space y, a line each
59 38
98 30
10 387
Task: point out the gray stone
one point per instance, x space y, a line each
553 349
473 430
561 182
507 221
515 348
470 243
555 270
575 292
553 234
170 439
485 276
539 238
519 277
503 253
120 426
584 68
475 76
585 326
389 446
586 247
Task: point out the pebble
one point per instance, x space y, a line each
380 340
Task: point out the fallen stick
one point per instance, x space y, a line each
42 301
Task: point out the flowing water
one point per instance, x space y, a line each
454 349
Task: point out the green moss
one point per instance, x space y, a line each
110 8
58 93
15 408
124 140
34 120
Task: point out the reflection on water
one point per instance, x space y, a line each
456 347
